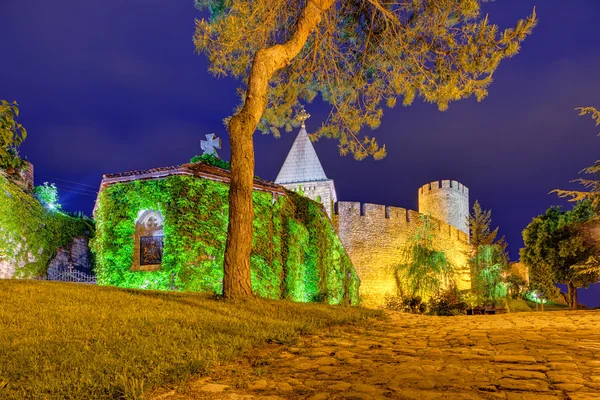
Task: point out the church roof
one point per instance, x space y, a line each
302 163
199 170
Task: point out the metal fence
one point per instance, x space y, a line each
70 275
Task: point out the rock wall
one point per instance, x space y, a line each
375 237
76 255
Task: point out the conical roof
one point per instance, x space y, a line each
302 163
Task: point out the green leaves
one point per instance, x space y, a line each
555 245
12 135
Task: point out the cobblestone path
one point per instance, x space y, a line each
551 355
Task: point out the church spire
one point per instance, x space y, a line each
302 163
302 171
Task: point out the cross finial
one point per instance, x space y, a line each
211 144
302 117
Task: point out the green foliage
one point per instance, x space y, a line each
31 234
480 227
12 135
488 266
425 269
362 57
555 247
47 195
515 285
66 341
295 251
211 159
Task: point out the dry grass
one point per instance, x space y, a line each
69 341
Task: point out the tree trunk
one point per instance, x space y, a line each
571 296
236 278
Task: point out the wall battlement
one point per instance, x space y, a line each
444 184
373 214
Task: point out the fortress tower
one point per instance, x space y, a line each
447 201
302 171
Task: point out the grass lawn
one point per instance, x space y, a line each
70 341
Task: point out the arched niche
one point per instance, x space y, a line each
149 241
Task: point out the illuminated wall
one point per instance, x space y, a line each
376 238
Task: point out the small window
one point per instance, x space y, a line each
149 241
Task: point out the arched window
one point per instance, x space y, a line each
149 240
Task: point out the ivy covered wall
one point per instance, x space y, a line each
31 235
296 253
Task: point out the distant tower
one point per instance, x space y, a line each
448 202
302 171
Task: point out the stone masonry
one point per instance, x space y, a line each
518 356
376 238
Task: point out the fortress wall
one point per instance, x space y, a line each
376 236
447 201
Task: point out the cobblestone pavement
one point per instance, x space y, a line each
551 355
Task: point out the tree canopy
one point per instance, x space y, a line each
12 135
358 55
361 56
556 250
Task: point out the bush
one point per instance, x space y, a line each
210 159
410 304
448 302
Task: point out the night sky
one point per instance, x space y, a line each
115 85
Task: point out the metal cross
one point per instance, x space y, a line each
211 144
302 117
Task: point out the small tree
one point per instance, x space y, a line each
359 56
47 195
555 251
425 270
12 135
487 268
488 259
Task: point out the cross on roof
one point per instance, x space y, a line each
302 117
211 144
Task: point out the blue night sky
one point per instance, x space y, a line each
115 85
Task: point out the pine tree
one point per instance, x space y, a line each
359 56
592 183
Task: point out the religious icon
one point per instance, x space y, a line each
151 250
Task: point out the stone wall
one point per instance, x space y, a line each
76 256
447 201
376 237
320 191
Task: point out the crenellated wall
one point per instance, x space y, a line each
376 236
447 201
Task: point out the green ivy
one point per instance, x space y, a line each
27 229
211 159
295 251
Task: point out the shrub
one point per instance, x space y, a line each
448 302
210 159
409 304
